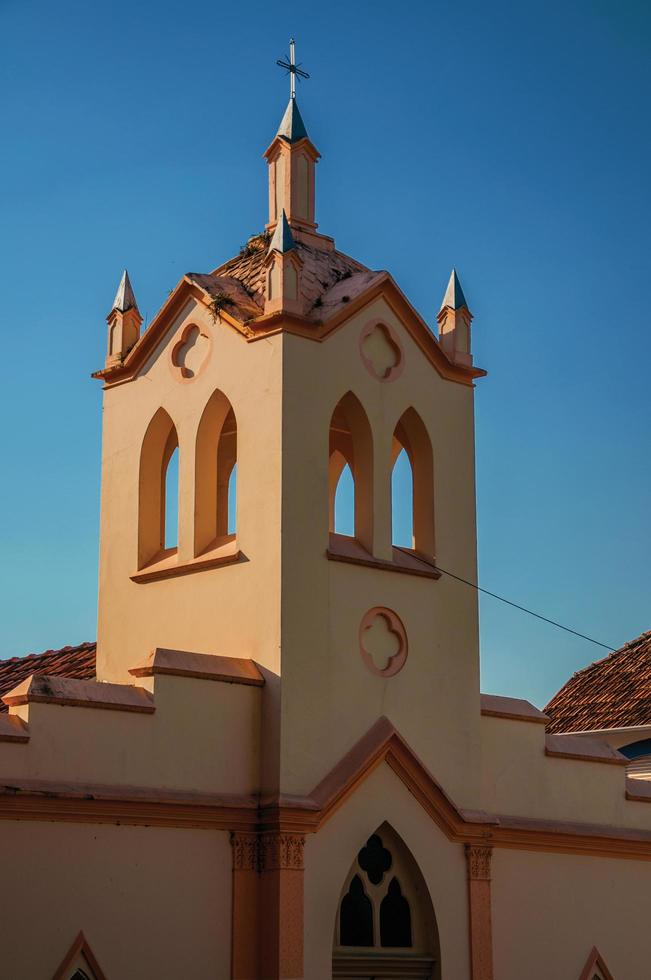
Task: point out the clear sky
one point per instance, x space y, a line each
509 139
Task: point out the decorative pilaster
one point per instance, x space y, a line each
267 926
478 858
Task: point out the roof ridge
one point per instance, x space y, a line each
21 658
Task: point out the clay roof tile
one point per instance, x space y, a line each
73 661
614 692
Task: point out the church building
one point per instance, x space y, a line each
276 761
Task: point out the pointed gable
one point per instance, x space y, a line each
595 967
79 961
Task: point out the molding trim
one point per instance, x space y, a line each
512 709
42 800
263 326
595 962
173 569
53 689
79 946
203 666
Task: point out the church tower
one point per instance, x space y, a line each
265 379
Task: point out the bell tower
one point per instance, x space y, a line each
232 418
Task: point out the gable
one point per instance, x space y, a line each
79 963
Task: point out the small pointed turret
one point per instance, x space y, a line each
292 159
292 128
454 297
282 240
284 264
125 298
124 322
454 319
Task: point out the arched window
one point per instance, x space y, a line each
412 485
385 916
171 533
351 446
344 517
158 447
639 756
215 475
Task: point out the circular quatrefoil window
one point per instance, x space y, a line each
190 353
383 642
380 351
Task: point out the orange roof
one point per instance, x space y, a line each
78 661
611 693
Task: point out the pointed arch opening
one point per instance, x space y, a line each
159 445
385 923
215 508
351 461
412 486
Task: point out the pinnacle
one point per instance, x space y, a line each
283 240
125 298
292 128
454 297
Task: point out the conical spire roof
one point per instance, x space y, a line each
292 128
125 298
454 293
283 240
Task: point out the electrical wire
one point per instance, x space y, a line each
530 612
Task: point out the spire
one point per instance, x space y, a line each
454 297
283 240
292 128
125 298
454 320
124 322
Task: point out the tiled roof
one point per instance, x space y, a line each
76 662
321 270
611 693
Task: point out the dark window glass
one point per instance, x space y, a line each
374 859
395 918
356 916
79 975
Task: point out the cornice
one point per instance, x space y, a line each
298 816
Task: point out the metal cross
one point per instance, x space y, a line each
289 64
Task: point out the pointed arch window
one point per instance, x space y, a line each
412 485
215 475
385 921
156 481
351 460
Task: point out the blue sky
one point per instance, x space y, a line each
511 140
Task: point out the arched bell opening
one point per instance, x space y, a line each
158 490
385 925
215 475
351 456
412 510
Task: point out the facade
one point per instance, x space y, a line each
277 763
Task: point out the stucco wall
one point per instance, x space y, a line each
152 902
329 698
549 911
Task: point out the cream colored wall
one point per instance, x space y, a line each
210 611
520 780
149 900
549 911
330 853
204 736
329 698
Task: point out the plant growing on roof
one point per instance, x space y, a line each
218 302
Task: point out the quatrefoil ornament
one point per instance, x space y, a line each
374 859
383 641
190 353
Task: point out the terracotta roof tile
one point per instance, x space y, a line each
611 693
321 270
77 662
